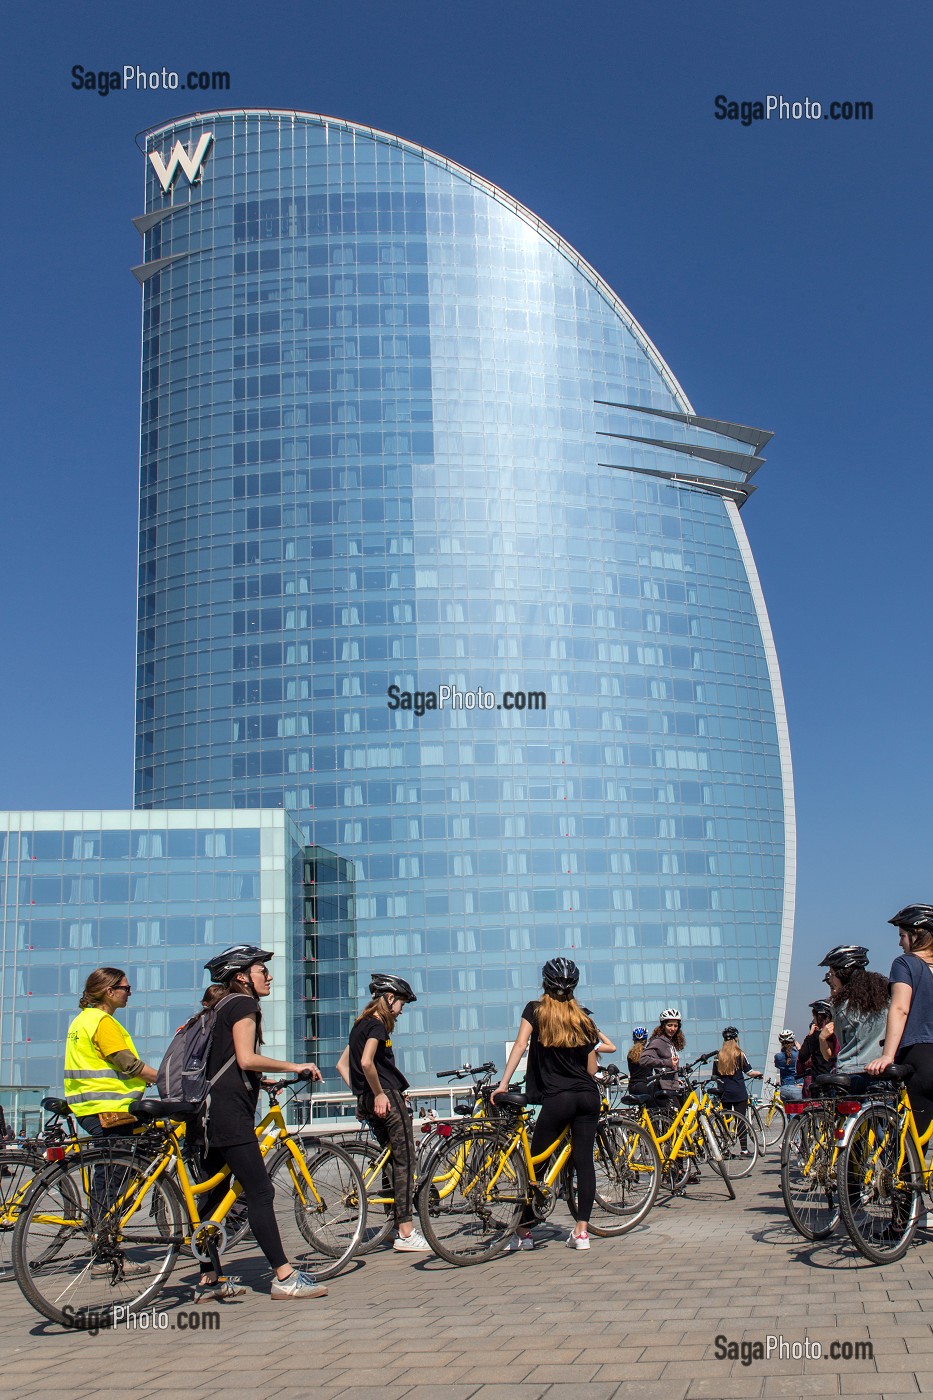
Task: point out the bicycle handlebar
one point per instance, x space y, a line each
464 1070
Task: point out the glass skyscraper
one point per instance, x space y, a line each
397 435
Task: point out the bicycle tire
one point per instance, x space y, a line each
773 1123
714 1154
727 1124
628 1178
70 1241
472 1195
808 1174
754 1118
320 1235
380 1213
879 1205
18 1167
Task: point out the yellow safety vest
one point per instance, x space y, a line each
92 1084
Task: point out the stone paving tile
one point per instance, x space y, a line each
799 1386
721 1388
875 1385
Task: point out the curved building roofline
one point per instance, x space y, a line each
463 172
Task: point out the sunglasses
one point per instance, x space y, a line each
121 987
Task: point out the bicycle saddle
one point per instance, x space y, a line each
58 1106
831 1081
899 1073
638 1099
148 1110
508 1100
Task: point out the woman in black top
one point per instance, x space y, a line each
368 1066
561 1038
639 1076
231 1127
729 1069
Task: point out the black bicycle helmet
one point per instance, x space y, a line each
821 1008
731 1033
236 959
917 918
846 958
559 976
383 984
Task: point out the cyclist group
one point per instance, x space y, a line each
104 1073
865 1012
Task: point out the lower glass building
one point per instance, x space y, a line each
157 894
398 436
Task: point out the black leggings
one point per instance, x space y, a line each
579 1108
246 1162
920 1084
395 1132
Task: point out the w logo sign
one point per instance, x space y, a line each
180 159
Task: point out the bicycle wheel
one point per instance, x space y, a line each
628 1177
808 1174
321 1229
97 1237
714 1153
773 1120
880 1185
472 1194
380 1194
737 1140
17 1169
753 1114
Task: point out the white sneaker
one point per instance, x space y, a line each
297 1285
415 1243
578 1241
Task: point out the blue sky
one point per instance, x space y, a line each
778 267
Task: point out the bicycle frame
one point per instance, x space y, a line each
684 1128
906 1125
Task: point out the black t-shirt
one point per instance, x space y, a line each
390 1076
232 1116
555 1068
732 1087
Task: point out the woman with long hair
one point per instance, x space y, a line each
908 1035
639 1079
859 999
368 1066
663 1051
235 1066
103 1072
561 1038
730 1068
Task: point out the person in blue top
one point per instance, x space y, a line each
908 1035
785 1062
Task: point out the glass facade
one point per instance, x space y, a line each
155 894
398 436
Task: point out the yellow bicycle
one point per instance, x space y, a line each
882 1171
477 1183
684 1136
100 1231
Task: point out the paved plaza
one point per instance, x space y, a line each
638 1317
